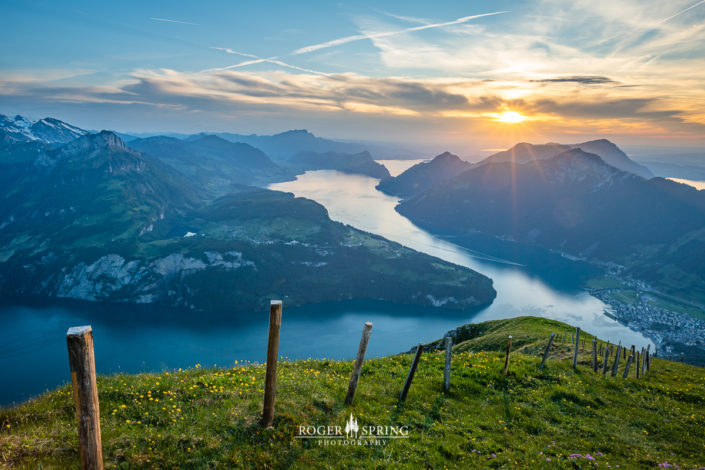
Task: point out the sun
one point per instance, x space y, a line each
510 117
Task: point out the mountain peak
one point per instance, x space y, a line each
47 130
446 156
103 140
295 133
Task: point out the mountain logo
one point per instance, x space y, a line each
352 434
351 428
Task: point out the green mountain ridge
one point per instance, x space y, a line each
558 417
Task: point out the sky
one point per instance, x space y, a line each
463 75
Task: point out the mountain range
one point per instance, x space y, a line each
95 219
577 204
609 152
425 175
48 130
214 162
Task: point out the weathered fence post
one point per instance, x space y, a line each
648 357
594 355
545 353
506 359
575 352
626 368
357 368
637 365
79 341
617 357
446 372
412 371
604 361
643 362
270 381
600 351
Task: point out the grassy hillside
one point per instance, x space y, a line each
209 418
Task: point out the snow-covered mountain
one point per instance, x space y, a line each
49 130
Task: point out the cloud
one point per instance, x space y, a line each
592 66
589 80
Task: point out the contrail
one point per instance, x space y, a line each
256 60
682 11
360 37
357 37
174 21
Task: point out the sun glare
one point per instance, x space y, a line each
510 117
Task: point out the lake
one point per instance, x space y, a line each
33 355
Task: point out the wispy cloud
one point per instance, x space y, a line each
589 80
174 21
360 37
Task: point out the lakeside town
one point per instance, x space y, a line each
676 335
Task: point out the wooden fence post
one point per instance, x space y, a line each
575 352
446 372
412 371
79 341
506 359
545 353
648 357
604 361
643 362
594 355
270 381
617 357
636 365
357 368
626 368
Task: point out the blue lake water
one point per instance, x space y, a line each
130 338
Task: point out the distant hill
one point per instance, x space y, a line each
609 152
281 147
358 163
424 175
674 170
577 204
97 220
214 162
47 130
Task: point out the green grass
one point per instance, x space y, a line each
605 283
625 296
674 304
201 418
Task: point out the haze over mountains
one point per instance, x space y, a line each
94 219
